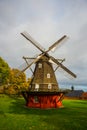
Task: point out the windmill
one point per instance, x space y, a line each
44 91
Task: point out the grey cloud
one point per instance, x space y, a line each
46 21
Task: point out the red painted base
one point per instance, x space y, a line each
44 101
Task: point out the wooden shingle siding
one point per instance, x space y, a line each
41 78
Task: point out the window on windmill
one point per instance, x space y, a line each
37 87
29 86
49 86
36 99
48 75
40 65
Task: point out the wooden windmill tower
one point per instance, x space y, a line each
44 90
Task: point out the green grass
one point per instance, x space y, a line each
15 116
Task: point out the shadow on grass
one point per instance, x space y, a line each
18 106
66 118
2 113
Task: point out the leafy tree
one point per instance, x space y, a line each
17 77
12 80
4 72
18 80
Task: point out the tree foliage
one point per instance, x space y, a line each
17 81
4 72
12 80
17 77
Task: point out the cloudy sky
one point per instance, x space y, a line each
46 21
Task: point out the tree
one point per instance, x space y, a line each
10 80
18 80
4 72
17 77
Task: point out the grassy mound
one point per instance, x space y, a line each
14 115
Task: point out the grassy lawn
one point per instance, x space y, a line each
15 116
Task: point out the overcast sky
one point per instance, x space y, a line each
46 21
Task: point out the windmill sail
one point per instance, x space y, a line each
51 59
35 43
63 67
57 43
27 65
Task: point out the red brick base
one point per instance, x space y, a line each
49 101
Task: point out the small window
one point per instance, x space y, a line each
40 65
48 75
29 86
49 86
36 99
37 87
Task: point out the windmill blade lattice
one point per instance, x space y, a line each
52 47
63 67
61 61
63 72
24 65
34 42
58 43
